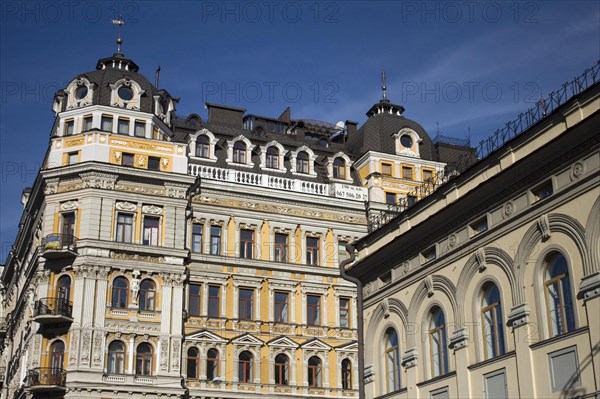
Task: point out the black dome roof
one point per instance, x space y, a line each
377 133
112 69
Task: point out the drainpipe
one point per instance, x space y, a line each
359 319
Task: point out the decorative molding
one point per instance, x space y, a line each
98 180
125 206
428 281
136 257
459 339
480 258
518 316
544 226
590 287
173 190
508 210
410 357
152 209
578 169
69 205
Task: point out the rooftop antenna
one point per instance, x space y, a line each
383 80
120 23
156 77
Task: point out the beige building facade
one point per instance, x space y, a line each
490 286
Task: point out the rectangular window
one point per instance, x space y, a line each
542 191
69 127
72 158
153 163
107 123
68 228
439 394
478 226
87 122
246 243
495 385
429 254
245 303
386 169
407 172
127 159
280 249
427 175
390 198
151 230
411 200
213 300
197 231
215 240
194 300
139 129
564 369
124 227
123 126
313 310
342 253
312 251
386 278
281 307
345 312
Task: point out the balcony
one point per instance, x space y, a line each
52 311
58 246
46 379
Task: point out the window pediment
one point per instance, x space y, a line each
126 93
407 142
80 93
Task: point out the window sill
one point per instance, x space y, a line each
558 338
493 360
448 375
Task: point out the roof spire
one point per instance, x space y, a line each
120 23
383 80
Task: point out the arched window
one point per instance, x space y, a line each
120 289
346 374
272 160
392 360
339 168
212 364
282 364
143 359
491 321
315 372
302 162
559 302
245 367
193 361
202 147
63 288
239 152
437 342
116 357
147 291
57 356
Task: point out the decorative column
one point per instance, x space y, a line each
458 343
518 319
409 363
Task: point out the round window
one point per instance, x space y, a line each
125 93
406 141
81 92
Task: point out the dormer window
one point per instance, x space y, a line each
272 159
302 165
202 147
339 168
239 152
406 141
125 93
81 92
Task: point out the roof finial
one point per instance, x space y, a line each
120 23
383 88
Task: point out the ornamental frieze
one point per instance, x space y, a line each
283 210
136 257
132 188
70 185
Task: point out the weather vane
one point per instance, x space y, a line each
383 88
120 23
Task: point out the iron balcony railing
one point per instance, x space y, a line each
53 307
46 376
58 242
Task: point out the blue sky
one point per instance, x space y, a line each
465 65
